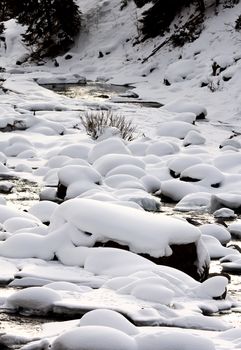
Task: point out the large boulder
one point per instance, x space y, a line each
161 239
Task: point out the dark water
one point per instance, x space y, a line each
89 91
101 92
24 194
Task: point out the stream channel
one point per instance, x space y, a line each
26 193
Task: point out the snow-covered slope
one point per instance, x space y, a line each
107 49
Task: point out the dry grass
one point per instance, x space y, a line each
95 124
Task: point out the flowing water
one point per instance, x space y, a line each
25 193
94 92
89 91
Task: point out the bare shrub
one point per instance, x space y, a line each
95 123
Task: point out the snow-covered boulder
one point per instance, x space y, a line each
108 318
127 169
43 210
153 236
199 201
225 213
178 129
179 71
183 105
35 299
140 197
217 231
204 174
160 148
94 338
174 190
178 164
215 248
115 145
76 151
109 161
225 200
193 138
73 180
235 229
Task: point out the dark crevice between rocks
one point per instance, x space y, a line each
61 191
166 199
201 116
189 179
174 174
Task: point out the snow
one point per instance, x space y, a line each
43 210
215 248
104 337
38 298
116 145
217 231
107 162
199 201
206 174
177 340
108 318
180 70
113 222
194 137
178 129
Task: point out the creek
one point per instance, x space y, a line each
26 193
94 92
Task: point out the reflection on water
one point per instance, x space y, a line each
94 92
24 194
90 91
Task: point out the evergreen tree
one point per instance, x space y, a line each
158 17
4 10
51 25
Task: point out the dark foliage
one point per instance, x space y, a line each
157 18
51 25
140 3
189 32
5 10
230 3
238 23
2 28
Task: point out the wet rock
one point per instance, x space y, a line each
176 259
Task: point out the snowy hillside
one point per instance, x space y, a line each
112 33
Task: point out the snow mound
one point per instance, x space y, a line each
178 129
115 144
199 201
94 338
125 225
180 163
182 105
43 210
180 71
217 231
206 174
225 200
107 162
76 179
175 339
108 318
33 298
